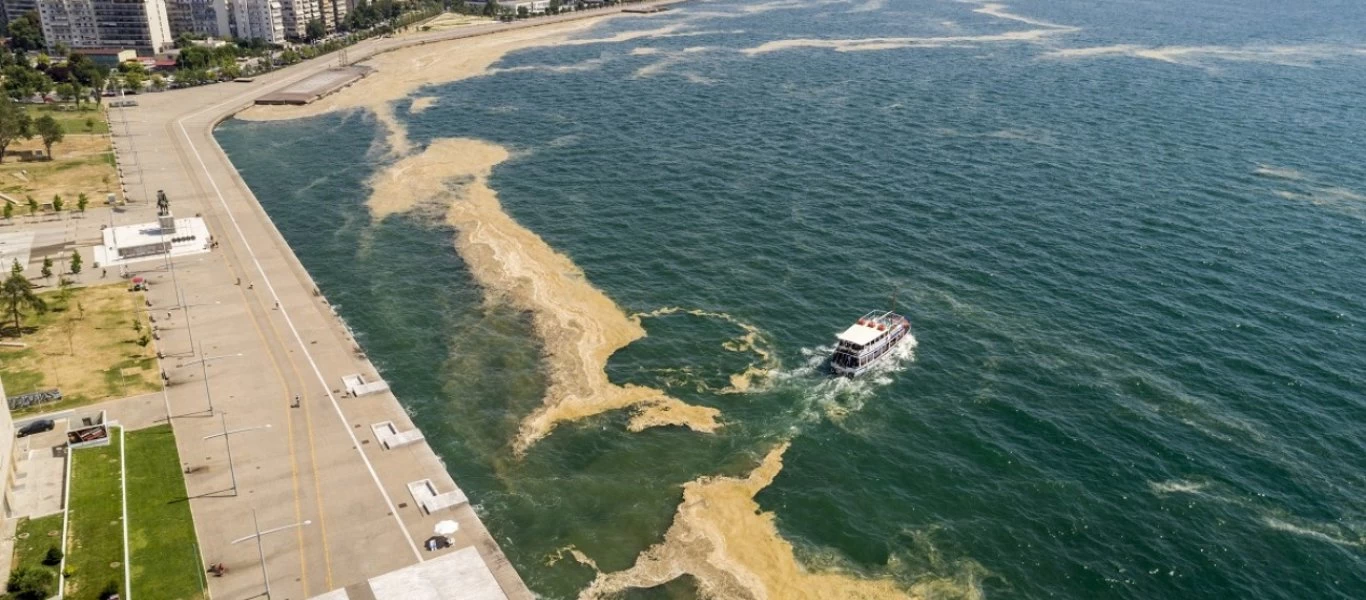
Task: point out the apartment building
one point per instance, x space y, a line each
141 25
297 14
259 19
11 9
198 17
332 12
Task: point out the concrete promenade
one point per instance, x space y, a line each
268 340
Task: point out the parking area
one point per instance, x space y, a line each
39 474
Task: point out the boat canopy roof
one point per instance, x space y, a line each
860 335
870 327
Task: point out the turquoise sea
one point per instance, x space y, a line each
1129 236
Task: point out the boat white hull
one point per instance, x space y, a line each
841 370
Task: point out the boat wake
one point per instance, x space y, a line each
835 398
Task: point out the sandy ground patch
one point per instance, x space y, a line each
85 346
83 163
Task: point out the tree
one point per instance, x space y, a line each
85 72
47 267
132 66
314 30
194 57
90 123
22 81
9 211
32 205
14 124
26 32
67 91
555 7
491 8
523 12
82 201
57 202
134 79
75 262
17 292
47 128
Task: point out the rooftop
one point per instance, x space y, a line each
860 335
460 575
191 237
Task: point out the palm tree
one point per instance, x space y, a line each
18 294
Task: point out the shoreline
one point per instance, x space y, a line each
579 326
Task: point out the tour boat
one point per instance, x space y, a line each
867 341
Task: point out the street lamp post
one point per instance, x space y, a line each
227 440
180 300
204 367
260 548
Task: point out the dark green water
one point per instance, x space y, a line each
1136 280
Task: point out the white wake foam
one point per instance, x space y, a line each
834 398
1177 486
1315 531
1278 173
1303 55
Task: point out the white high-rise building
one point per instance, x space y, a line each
140 25
259 19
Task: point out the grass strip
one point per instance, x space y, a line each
161 536
95 543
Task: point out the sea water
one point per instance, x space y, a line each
1129 237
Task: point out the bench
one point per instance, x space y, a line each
357 386
390 437
425 494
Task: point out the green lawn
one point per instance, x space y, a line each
72 121
165 560
95 543
32 541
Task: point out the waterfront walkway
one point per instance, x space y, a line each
344 506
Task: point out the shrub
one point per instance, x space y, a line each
110 590
53 557
30 583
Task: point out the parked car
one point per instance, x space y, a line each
38 426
